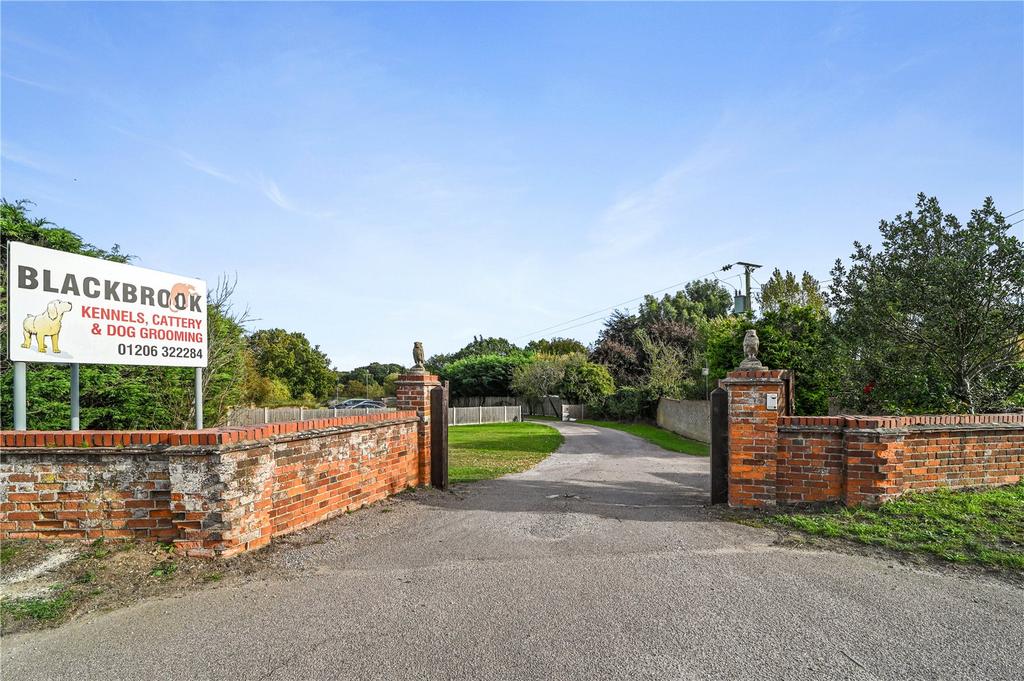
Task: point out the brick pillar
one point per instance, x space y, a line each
414 393
753 434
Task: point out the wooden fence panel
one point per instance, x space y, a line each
257 416
465 416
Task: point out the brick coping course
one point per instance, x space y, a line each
83 439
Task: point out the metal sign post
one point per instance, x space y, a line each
76 422
199 398
19 396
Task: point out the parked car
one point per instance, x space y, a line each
347 404
366 404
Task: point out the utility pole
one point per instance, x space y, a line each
748 267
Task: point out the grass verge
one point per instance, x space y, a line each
490 450
984 527
665 439
7 552
40 608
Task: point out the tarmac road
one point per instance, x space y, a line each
600 563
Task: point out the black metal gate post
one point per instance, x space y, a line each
719 446
439 437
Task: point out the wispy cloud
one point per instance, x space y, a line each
35 84
205 168
643 214
273 193
258 182
847 23
14 154
184 156
35 45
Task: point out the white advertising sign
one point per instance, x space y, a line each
68 308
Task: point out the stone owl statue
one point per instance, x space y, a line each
417 354
751 344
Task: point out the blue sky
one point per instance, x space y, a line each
379 174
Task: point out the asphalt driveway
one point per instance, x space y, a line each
601 562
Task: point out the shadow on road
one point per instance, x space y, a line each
670 497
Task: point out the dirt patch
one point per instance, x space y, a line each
45 584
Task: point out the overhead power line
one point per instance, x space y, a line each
559 327
585 319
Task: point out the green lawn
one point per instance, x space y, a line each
494 449
984 527
665 439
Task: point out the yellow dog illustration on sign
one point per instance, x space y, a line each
45 324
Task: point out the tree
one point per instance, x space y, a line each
378 372
227 355
703 299
291 358
476 347
540 378
784 289
666 323
482 375
794 337
265 392
356 388
585 382
391 384
488 346
714 299
556 346
666 367
940 307
617 349
721 345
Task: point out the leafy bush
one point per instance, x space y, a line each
539 378
482 375
625 404
585 382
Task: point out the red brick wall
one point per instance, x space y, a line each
811 464
213 492
860 459
84 495
962 457
316 478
